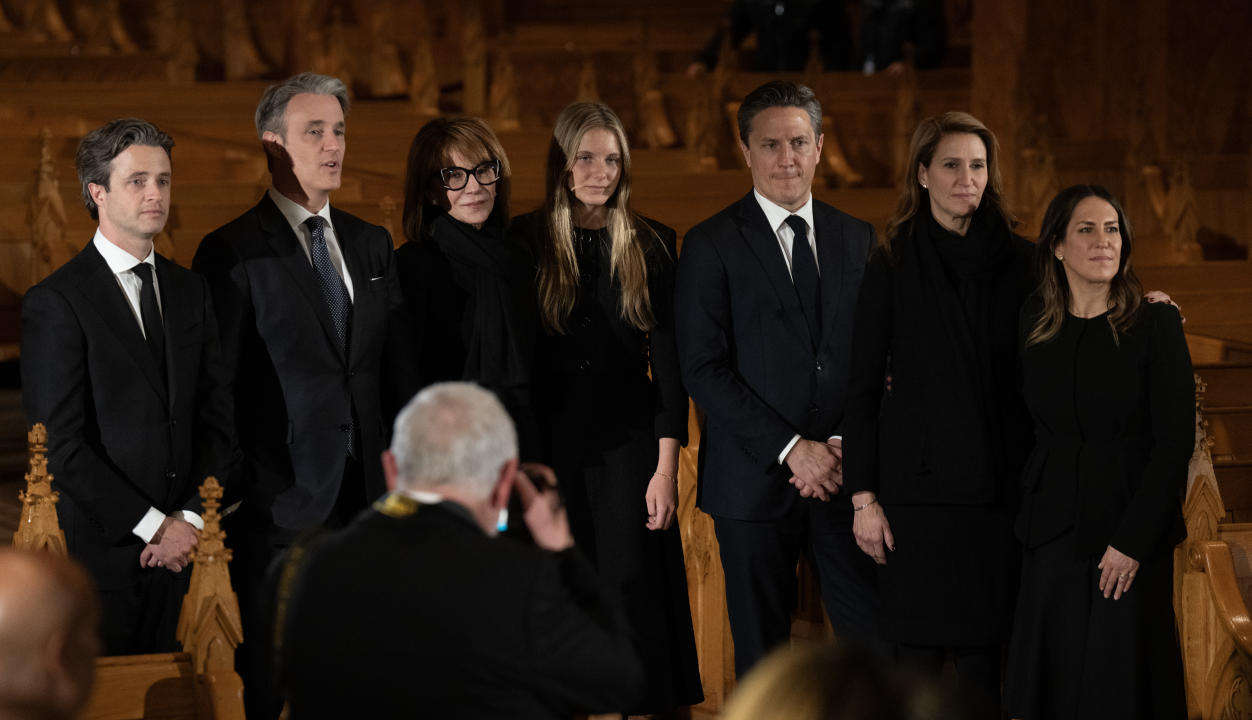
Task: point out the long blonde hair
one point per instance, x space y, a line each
558 273
914 198
1125 290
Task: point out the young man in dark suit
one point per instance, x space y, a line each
121 362
418 609
765 296
303 293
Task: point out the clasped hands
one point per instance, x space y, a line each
816 467
171 546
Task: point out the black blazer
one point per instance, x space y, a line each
120 440
295 390
746 355
459 625
1114 431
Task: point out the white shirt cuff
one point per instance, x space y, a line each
196 521
782 456
149 525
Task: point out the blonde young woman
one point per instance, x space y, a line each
608 396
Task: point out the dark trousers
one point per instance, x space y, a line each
759 560
143 618
259 547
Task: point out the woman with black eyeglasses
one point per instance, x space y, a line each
609 399
466 286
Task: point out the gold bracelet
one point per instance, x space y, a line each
859 508
667 477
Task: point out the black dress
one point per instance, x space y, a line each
600 416
1114 426
943 443
467 302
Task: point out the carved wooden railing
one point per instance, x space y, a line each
199 682
1212 582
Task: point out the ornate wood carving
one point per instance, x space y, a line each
241 57
209 626
46 216
1037 173
1175 209
43 21
655 130
588 88
836 161
423 80
386 77
388 208
908 112
38 528
474 50
504 108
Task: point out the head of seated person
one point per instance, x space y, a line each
49 635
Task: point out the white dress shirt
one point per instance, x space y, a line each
296 214
123 265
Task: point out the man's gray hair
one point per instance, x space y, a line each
271 112
453 433
779 93
94 159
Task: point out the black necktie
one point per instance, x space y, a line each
336 295
150 314
804 275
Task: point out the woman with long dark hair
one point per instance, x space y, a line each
1108 381
609 399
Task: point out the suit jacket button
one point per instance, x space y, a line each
171 475
819 365
814 408
584 365
173 422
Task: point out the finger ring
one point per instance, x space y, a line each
1121 576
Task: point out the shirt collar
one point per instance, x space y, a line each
296 213
118 260
776 214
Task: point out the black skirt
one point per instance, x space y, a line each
1075 654
951 578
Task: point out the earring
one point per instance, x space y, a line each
1060 257
924 186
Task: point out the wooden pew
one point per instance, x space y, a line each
199 683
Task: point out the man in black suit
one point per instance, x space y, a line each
303 293
121 362
764 306
417 608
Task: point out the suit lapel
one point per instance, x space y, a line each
763 243
831 263
110 303
356 268
290 253
175 312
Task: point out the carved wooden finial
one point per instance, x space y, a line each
45 212
503 96
209 627
38 528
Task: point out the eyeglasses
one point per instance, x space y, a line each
455 178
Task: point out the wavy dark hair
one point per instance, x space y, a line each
914 198
1125 290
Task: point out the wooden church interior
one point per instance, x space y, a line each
1150 98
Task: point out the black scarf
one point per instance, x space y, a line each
493 270
972 282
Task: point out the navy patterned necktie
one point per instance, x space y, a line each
336 295
333 290
804 275
150 315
